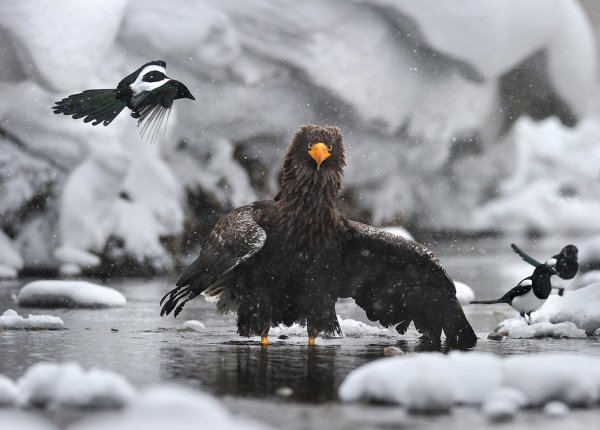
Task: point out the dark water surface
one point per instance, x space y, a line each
137 343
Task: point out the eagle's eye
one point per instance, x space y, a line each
310 145
330 148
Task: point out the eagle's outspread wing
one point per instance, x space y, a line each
233 240
397 280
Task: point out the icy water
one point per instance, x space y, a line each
135 342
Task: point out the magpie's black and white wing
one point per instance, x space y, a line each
152 108
397 280
234 239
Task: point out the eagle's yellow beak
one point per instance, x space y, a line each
319 152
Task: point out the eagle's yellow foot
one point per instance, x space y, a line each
264 340
311 341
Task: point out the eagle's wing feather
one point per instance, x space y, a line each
235 238
397 280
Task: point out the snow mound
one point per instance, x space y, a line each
350 328
8 391
433 382
556 409
517 328
464 293
69 385
174 407
11 320
194 325
71 294
581 307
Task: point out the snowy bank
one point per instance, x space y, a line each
581 307
350 328
432 382
11 320
70 294
69 385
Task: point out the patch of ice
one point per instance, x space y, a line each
194 325
597 333
518 328
581 307
11 320
174 407
350 328
69 294
69 385
8 391
464 293
434 382
556 409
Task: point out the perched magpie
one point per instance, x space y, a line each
529 294
565 262
148 92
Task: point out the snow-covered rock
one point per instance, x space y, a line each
173 407
69 294
69 385
8 392
194 325
580 307
464 293
556 409
11 320
433 382
518 328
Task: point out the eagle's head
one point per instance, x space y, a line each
317 149
315 159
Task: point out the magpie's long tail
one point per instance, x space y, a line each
489 302
526 257
99 106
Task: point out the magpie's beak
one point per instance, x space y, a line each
183 92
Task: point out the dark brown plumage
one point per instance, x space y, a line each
289 259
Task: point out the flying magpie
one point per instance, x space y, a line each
529 294
565 262
148 92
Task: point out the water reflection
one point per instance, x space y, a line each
247 369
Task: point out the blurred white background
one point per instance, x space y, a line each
458 116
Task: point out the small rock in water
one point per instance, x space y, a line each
283 337
390 351
556 409
284 392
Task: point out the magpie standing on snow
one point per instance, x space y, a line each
148 92
565 262
529 294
